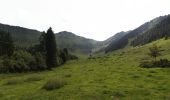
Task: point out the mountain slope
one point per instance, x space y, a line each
100 46
159 31
122 42
22 36
75 43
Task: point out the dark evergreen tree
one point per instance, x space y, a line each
51 49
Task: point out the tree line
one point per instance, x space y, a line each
43 56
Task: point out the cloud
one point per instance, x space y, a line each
97 19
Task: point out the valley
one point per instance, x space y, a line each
116 75
130 65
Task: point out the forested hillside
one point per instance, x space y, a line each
161 30
122 42
25 38
22 37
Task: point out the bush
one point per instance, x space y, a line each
54 84
22 61
12 65
26 58
163 63
40 62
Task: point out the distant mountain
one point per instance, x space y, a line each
161 30
75 43
24 37
150 31
100 46
123 41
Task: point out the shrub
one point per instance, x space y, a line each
54 84
40 62
163 63
26 58
10 65
22 61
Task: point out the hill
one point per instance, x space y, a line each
122 42
22 37
25 38
75 43
100 46
116 75
161 30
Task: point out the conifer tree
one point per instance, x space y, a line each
51 49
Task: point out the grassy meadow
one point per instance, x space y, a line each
113 76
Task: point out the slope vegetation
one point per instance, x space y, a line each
115 76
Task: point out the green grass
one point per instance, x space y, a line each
114 76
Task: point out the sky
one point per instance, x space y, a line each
95 19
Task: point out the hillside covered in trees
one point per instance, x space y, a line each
25 38
128 38
161 30
42 56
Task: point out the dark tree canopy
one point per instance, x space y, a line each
51 49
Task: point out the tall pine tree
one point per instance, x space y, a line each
51 49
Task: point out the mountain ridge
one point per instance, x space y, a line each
122 42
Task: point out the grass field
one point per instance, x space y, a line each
114 76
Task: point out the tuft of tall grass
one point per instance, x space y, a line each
54 84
